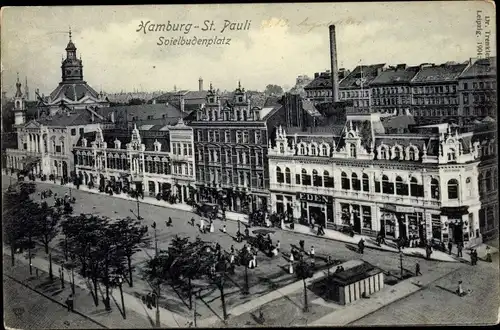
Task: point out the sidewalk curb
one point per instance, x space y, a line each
373 247
54 301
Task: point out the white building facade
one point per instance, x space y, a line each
412 186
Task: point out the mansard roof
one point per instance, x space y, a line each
73 91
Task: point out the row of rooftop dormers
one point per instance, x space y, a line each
441 144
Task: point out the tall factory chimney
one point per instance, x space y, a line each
334 68
200 84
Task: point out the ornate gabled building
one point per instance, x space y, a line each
420 185
139 160
73 92
230 148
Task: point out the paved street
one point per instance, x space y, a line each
267 276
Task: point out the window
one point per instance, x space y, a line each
451 155
199 136
324 150
327 179
415 188
434 189
82 130
400 186
411 153
383 153
480 182
453 189
356 184
468 184
397 152
58 148
345 181
239 137
353 150
387 186
217 136
279 175
317 179
302 149
257 137
313 150
227 136
185 150
488 181
366 182
245 137
73 131
306 179
288 176
367 217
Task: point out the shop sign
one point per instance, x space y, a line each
315 198
399 209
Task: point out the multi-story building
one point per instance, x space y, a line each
391 90
422 185
44 145
320 89
182 158
435 93
486 134
230 147
477 87
355 87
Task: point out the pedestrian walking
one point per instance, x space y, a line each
460 290
361 245
459 248
202 225
450 246
192 222
302 244
290 267
311 252
69 303
278 245
232 249
224 229
473 257
169 222
149 300
417 269
247 232
212 229
428 252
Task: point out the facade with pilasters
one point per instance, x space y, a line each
421 185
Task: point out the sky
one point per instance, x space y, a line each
282 42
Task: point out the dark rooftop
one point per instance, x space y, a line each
324 80
481 67
362 74
397 124
439 73
355 274
395 75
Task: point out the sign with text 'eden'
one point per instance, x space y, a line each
323 199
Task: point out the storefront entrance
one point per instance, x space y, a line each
317 214
317 208
456 231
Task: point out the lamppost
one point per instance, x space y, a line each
401 263
61 276
156 241
73 273
120 281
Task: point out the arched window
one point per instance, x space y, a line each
383 153
324 151
313 150
453 189
345 181
317 179
400 187
353 150
411 153
414 188
366 182
279 175
468 185
282 148
387 186
327 180
435 189
488 181
306 179
356 184
397 152
288 176
302 149
451 155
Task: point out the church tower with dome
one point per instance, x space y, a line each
73 93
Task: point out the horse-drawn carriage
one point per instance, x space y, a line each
207 210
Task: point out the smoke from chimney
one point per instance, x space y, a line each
334 68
